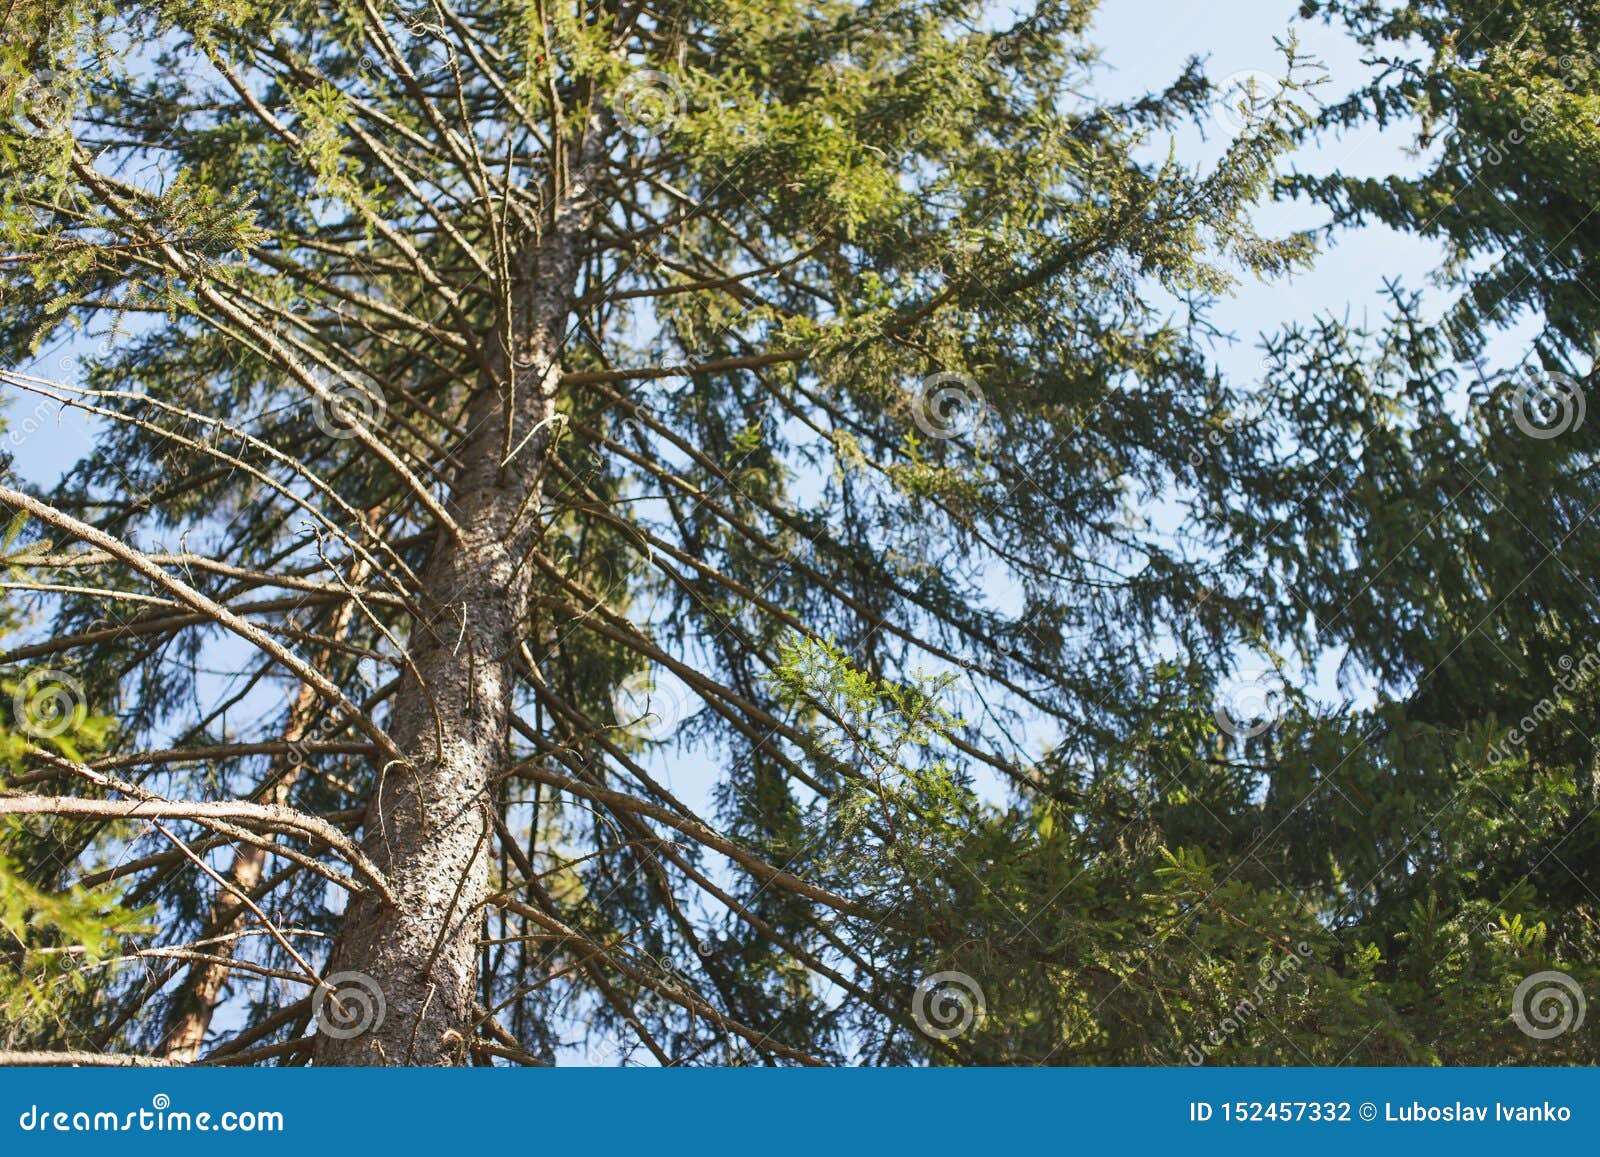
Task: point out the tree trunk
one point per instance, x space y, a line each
428 825
190 1018
196 1002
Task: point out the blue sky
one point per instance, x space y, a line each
1147 41
1145 44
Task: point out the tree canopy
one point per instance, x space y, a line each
510 413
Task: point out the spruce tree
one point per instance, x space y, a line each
505 410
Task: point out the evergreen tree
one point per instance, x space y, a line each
506 408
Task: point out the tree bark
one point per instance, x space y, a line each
428 825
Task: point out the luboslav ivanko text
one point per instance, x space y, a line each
1418 1113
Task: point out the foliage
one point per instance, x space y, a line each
845 369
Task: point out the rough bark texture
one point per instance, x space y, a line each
428 825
